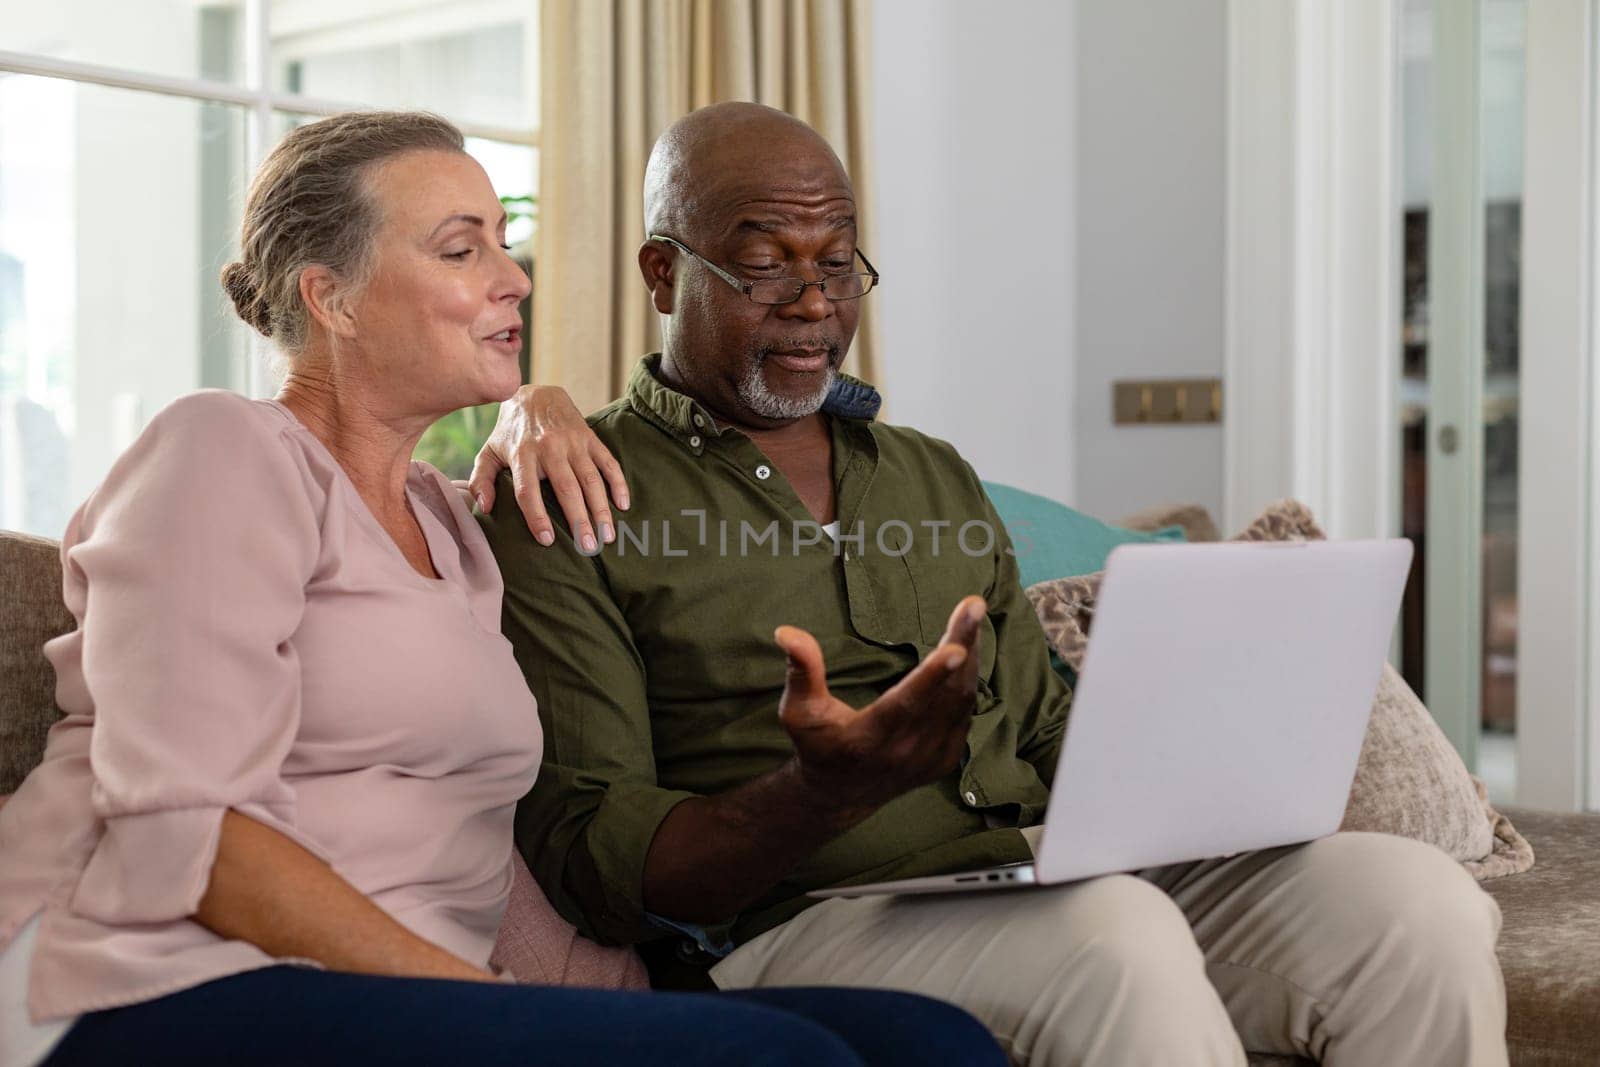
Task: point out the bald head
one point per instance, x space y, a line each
712 161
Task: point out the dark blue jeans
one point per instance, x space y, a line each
292 1015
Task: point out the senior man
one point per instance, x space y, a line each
786 561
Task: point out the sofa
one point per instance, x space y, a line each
1549 946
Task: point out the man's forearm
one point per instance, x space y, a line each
713 856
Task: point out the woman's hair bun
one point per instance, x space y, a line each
240 284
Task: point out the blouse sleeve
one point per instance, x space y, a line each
187 570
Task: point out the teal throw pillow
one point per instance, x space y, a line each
1054 541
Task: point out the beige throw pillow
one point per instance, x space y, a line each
1409 780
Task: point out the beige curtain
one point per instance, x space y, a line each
615 73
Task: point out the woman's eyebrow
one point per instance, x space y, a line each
462 216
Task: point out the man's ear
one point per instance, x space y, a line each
656 263
327 299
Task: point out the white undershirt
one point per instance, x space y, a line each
832 530
23 1042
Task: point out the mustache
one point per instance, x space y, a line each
830 345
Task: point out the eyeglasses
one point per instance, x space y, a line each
788 290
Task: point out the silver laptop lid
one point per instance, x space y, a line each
1222 702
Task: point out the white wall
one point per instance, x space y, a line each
1151 88
974 217
1050 218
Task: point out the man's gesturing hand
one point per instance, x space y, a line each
911 735
848 764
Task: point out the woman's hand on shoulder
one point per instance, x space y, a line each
540 434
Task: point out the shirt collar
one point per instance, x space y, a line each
687 419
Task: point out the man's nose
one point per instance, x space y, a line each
812 306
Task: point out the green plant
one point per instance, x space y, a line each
452 443
520 207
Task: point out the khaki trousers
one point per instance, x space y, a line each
1357 950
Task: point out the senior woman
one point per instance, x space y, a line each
275 823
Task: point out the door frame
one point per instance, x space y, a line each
1312 335
1312 264
1453 580
1558 695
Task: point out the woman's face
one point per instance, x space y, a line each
437 326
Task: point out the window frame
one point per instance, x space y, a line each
262 104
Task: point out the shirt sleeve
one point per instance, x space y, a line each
187 571
586 826
1038 697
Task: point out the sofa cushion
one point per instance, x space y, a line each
1193 519
31 613
1550 943
1053 541
1408 781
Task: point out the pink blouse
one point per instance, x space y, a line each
249 637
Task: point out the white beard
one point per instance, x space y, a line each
763 401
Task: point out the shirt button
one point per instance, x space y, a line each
763 472
970 797
694 442
700 421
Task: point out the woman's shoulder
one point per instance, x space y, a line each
221 418
207 456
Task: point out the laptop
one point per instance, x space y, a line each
1221 706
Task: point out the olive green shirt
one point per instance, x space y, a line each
657 675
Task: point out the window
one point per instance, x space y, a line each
128 134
